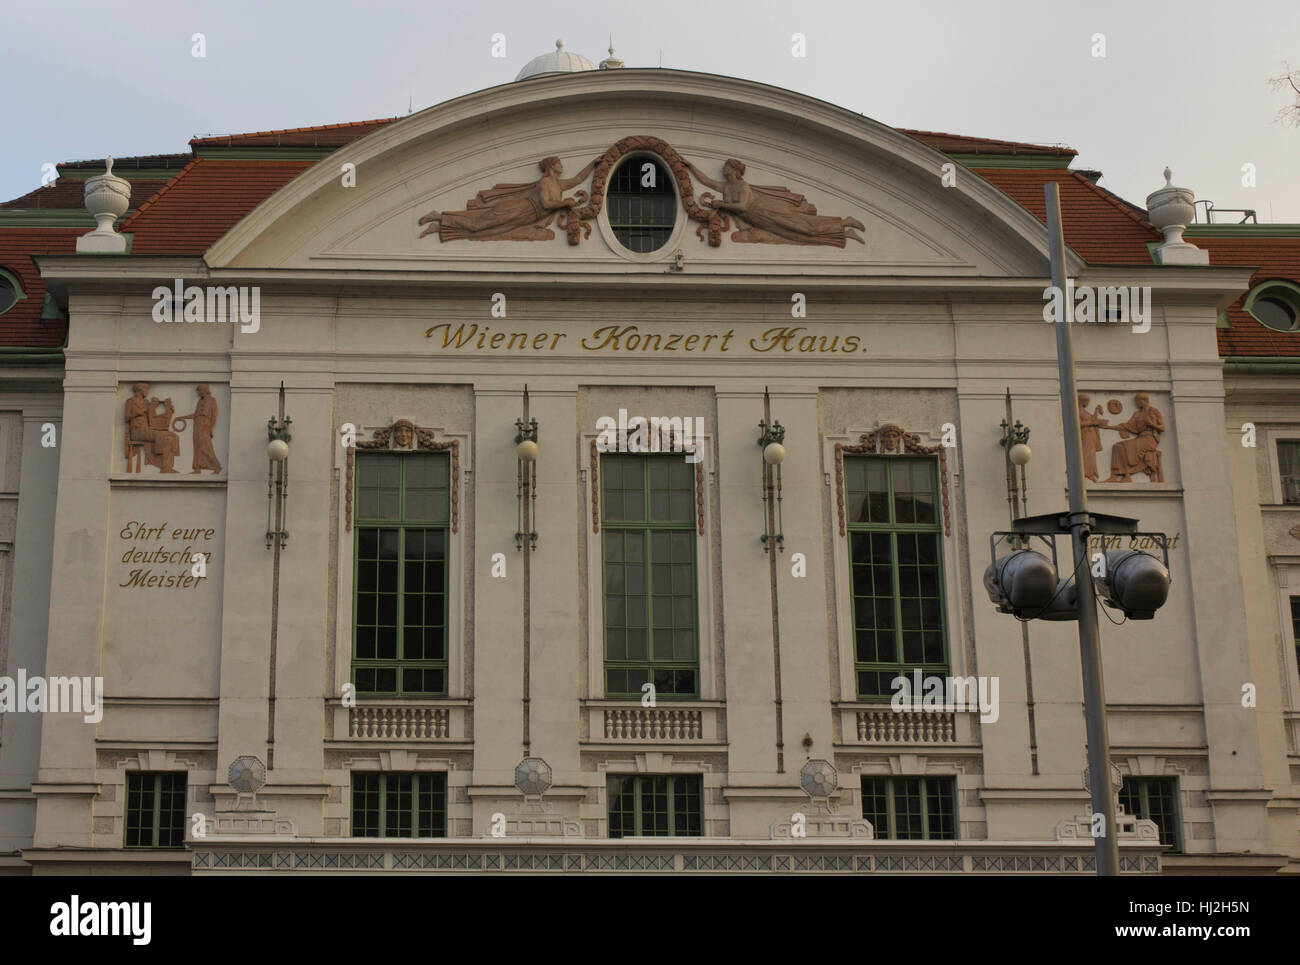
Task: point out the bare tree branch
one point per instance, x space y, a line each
1289 116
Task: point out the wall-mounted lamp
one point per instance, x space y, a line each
526 452
1016 454
277 475
771 439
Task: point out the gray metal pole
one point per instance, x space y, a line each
1094 698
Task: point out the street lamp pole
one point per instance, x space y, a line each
1094 698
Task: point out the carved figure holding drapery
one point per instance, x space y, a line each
775 214
205 420
147 428
513 212
1090 426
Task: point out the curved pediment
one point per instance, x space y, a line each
514 178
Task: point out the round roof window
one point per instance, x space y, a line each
1277 311
1277 307
8 292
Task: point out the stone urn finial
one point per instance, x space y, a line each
107 198
1171 209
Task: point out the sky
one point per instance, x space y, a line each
1182 84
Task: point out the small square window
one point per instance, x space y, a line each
1155 799
655 805
911 808
394 805
155 809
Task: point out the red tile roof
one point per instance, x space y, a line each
323 135
205 201
1276 258
22 324
71 193
187 214
1101 227
961 144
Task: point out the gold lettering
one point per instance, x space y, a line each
613 335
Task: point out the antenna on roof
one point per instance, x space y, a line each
410 104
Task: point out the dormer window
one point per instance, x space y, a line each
1276 305
10 290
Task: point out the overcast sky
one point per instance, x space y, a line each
1181 83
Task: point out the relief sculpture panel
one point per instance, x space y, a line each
157 441
763 214
1135 452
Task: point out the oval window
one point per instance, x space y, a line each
8 293
642 204
1276 313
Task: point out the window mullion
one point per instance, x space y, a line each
925 810
157 810
400 689
648 591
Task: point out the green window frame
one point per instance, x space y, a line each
895 537
1288 467
400 578
911 808
1155 799
399 805
648 569
1275 304
155 809
655 805
11 290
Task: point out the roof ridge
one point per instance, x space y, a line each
1114 201
294 130
1062 149
159 193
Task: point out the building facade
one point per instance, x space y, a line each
506 581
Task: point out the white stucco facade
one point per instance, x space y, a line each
358 318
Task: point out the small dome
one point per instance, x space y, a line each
558 62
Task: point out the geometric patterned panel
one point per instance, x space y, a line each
757 860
